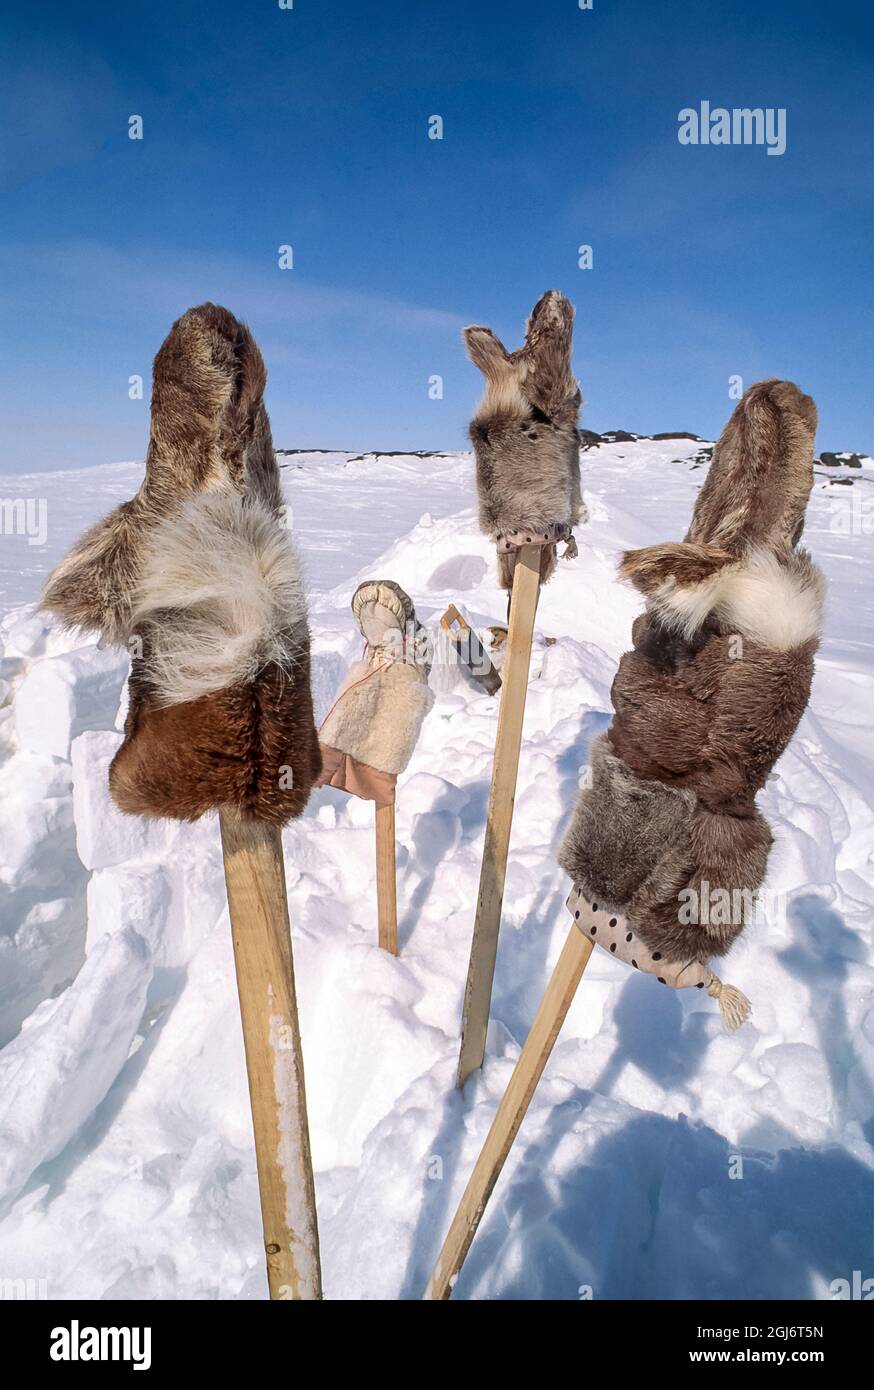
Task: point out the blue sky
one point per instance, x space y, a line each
309 127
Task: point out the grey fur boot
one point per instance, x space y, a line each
525 436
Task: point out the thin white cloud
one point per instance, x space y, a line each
58 101
102 282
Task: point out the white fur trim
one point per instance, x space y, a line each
777 603
218 594
779 606
686 609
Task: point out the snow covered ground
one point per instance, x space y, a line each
661 1157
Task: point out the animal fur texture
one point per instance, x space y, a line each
219 596
710 694
198 577
252 746
525 436
379 708
209 433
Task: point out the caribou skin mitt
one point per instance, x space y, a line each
198 577
209 433
374 722
709 697
525 437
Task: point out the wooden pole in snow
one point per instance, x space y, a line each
386 879
511 1112
255 878
499 817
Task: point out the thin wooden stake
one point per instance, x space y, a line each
386 879
255 878
511 1112
471 651
499 817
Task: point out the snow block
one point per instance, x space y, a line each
40 958
42 886
126 896
27 634
35 817
104 836
58 1070
123 706
62 696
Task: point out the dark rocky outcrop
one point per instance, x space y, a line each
841 460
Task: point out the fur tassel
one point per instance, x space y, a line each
733 1005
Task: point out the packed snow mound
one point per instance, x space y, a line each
60 1067
661 1157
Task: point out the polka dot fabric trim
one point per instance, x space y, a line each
612 932
514 540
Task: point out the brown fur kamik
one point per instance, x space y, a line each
710 694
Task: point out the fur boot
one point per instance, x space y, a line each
197 576
525 437
710 695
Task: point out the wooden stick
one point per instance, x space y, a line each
386 879
255 878
511 1112
471 651
499 817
